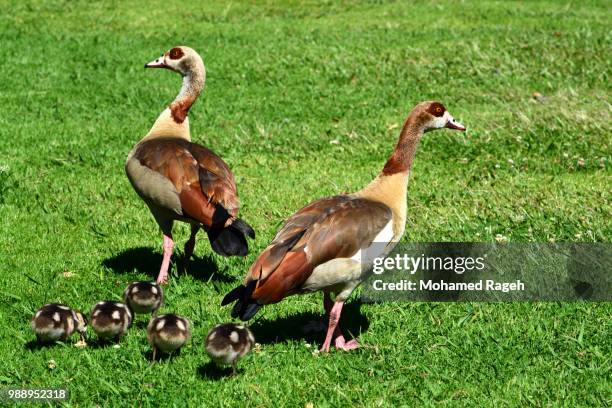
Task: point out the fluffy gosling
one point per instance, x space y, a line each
110 320
57 322
144 297
167 333
228 343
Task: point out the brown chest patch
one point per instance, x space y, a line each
179 110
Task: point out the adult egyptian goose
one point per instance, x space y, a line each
180 180
323 245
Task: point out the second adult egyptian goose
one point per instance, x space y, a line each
181 180
324 245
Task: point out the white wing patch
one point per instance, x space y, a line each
377 246
180 325
160 324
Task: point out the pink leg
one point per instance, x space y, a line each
168 247
342 344
190 244
328 304
337 335
334 318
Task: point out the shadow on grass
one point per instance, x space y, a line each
98 343
211 371
161 357
35 345
310 327
140 324
146 260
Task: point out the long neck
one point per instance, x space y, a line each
193 83
402 157
173 121
391 185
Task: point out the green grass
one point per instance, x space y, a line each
284 80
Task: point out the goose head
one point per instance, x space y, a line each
181 59
432 115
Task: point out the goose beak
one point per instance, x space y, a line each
157 63
453 124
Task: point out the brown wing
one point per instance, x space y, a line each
203 181
335 227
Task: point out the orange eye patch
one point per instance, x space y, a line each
436 109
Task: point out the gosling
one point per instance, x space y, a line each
144 297
58 322
110 320
228 343
168 333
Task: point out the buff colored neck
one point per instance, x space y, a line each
173 121
391 186
166 126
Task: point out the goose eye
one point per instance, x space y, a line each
436 109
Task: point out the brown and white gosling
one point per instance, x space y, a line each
168 333
58 322
110 320
227 343
144 297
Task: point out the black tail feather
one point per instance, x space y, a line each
249 311
231 240
243 227
245 306
233 295
228 242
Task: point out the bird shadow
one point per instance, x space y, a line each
211 371
204 269
35 345
141 324
140 259
160 356
309 326
147 261
99 343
